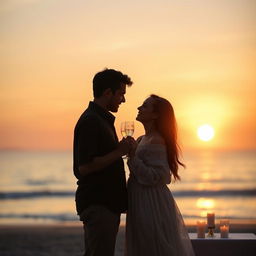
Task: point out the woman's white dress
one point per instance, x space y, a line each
154 225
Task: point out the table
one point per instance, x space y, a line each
238 244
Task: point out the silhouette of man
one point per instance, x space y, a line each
101 194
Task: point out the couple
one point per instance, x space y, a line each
154 225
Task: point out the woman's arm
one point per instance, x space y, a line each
152 168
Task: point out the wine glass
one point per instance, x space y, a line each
127 129
123 132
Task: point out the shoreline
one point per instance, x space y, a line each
242 225
188 222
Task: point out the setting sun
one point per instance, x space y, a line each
205 132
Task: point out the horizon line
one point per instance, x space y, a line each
70 149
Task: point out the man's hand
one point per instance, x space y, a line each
124 146
98 163
133 146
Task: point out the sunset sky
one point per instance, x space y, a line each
199 54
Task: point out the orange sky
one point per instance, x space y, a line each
198 54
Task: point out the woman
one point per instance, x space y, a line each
154 225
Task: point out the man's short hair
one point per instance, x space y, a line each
109 78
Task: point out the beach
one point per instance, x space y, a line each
67 239
38 215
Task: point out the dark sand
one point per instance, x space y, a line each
65 240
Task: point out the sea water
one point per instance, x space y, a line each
39 187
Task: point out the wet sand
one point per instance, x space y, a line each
67 240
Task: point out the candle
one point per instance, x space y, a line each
224 222
201 229
211 220
224 230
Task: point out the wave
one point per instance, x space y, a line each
186 216
35 194
181 193
215 193
73 217
54 217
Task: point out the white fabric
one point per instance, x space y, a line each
154 225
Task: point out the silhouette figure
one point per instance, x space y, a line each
101 194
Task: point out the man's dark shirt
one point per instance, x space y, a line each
95 136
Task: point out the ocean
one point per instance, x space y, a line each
39 187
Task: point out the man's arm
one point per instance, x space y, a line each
99 163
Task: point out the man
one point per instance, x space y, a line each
101 195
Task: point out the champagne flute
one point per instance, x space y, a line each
127 129
123 132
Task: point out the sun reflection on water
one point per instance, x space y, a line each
205 204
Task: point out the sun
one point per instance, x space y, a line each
205 132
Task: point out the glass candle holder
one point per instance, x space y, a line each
224 222
224 228
210 224
201 225
224 231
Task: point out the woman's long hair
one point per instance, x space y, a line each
167 127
